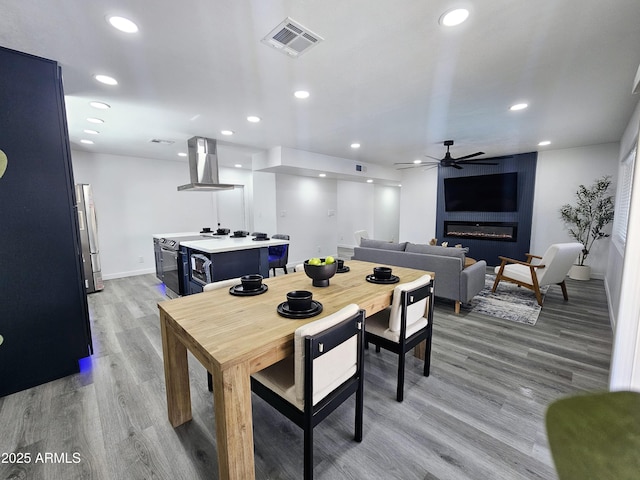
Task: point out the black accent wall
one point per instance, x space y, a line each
486 249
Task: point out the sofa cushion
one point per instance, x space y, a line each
436 250
382 244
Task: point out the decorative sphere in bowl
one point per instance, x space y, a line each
320 274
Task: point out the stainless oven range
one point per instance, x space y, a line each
173 264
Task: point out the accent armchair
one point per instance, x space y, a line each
536 271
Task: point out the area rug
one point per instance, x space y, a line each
509 302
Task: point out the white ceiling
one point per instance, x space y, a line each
387 75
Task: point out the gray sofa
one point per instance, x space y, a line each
452 280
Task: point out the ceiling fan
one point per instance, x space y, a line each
448 160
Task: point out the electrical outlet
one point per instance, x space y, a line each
140 259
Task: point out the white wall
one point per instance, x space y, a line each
355 212
307 211
418 202
386 213
136 198
264 203
558 175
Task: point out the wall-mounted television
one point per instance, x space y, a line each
482 193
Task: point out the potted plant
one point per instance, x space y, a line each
586 220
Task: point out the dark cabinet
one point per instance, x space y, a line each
44 319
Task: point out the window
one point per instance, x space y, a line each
623 198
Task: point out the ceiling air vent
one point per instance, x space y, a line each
162 142
291 38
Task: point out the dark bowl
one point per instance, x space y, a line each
382 273
299 300
340 263
251 282
222 231
320 274
260 235
240 233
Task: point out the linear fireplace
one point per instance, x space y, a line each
501 231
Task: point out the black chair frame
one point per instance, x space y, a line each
315 346
406 344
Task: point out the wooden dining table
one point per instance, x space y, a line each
234 336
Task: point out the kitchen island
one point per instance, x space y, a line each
221 257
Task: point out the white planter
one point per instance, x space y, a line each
580 272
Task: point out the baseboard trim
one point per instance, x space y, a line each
133 273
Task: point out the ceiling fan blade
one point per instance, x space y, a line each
455 165
470 156
477 163
435 158
418 164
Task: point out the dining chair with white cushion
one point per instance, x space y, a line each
404 325
325 369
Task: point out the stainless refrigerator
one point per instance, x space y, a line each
88 225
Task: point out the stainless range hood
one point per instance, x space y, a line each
203 167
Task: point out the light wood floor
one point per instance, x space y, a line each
480 415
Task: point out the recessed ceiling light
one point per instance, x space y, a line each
237 165
123 24
182 154
454 17
95 120
226 132
301 94
88 142
355 145
322 174
106 79
399 184
91 132
100 105
518 106
544 143
253 119
369 181
417 161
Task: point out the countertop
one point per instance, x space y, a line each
227 244
173 235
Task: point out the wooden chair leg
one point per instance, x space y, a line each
538 295
498 278
563 286
457 307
